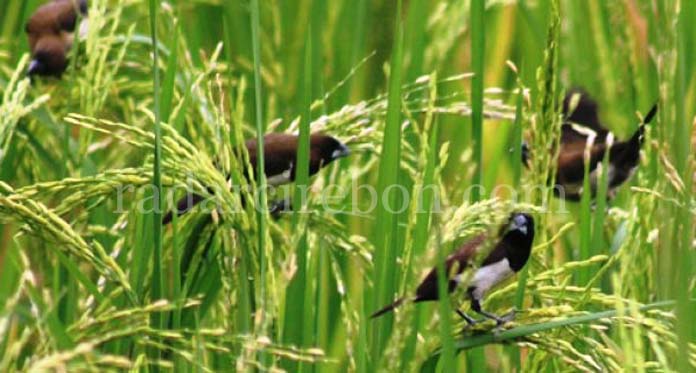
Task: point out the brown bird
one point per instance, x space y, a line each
508 256
581 119
624 156
280 151
51 32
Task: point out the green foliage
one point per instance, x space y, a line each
89 279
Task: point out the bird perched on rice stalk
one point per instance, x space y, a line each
508 256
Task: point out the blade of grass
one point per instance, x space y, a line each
80 276
261 208
157 166
167 97
597 28
388 176
517 135
176 293
51 163
208 282
478 54
357 47
531 21
547 130
448 359
516 181
683 230
317 299
13 12
516 178
157 273
54 326
142 250
527 330
476 359
295 331
585 221
170 75
64 292
424 216
597 239
415 37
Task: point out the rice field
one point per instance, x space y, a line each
434 99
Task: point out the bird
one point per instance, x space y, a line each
581 120
50 31
280 152
508 256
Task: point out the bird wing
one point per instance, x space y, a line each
454 265
496 255
571 161
280 151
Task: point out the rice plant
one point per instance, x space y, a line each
433 98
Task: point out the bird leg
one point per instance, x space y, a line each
466 317
476 306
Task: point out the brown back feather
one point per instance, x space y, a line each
454 265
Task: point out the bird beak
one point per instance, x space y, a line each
341 152
34 67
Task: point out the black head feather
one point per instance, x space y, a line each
579 107
329 148
517 240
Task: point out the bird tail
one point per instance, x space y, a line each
638 136
183 206
388 308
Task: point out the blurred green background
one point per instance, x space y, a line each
87 283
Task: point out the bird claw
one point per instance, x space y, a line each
469 321
470 324
502 320
509 316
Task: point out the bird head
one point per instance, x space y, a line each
330 149
520 225
48 58
518 239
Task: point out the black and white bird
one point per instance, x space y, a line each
280 153
508 256
51 31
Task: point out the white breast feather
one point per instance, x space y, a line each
281 178
489 276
